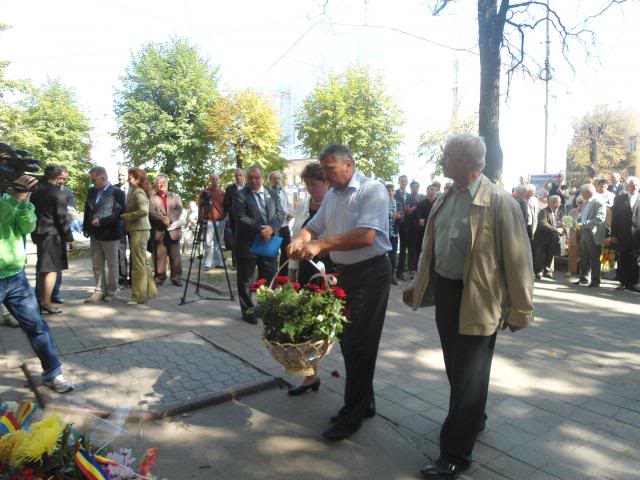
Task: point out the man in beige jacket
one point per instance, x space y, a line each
476 269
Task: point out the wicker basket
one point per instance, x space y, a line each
298 358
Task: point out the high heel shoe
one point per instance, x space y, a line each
303 388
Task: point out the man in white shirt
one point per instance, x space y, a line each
352 225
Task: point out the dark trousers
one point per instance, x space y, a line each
589 259
367 286
412 248
393 254
285 233
543 253
467 359
123 264
627 265
17 295
161 250
245 270
55 294
404 244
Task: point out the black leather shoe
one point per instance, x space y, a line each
394 281
341 431
57 300
442 468
250 319
594 285
401 277
177 283
303 388
371 412
633 288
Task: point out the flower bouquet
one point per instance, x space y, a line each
300 323
37 448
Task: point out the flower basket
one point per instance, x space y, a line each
298 358
300 323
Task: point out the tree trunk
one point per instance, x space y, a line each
592 169
491 29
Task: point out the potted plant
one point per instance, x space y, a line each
300 323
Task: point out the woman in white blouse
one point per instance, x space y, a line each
302 272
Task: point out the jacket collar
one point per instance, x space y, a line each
482 197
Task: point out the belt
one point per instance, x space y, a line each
364 263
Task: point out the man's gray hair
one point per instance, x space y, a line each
256 168
238 170
587 187
275 172
161 177
100 171
468 147
634 180
531 188
553 199
520 188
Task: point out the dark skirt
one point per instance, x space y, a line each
52 253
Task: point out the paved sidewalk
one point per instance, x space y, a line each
564 398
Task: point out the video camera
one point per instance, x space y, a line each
14 164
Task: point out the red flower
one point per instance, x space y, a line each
339 292
345 312
281 280
296 286
256 285
312 287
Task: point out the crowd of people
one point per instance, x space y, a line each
469 248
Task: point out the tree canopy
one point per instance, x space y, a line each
161 108
432 142
244 129
353 109
599 143
49 122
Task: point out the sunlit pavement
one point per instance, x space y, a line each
564 397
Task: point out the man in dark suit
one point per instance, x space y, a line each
165 209
546 239
123 264
401 198
615 185
227 204
105 203
625 229
257 212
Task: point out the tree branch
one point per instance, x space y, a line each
440 6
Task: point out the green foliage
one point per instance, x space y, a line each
599 143
432 142
244 129
161 108
49 122
297 316
353 109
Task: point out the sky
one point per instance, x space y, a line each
287 46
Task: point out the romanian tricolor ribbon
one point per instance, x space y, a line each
8 423
25 413
88 465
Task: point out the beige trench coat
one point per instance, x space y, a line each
498 269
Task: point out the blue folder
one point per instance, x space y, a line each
266 248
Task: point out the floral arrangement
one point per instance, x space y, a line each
568 222
292 313
37 448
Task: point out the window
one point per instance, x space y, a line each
632 144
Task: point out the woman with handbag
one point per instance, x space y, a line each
303 271
136 219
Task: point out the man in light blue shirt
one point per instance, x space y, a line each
354 223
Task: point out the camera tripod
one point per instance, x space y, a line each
198 246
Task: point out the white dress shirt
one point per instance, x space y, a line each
364 203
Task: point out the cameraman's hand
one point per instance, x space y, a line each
25 181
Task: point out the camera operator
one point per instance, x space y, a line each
211 210
17 219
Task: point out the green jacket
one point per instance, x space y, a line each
17 219
136 216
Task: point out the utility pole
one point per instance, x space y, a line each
546 78
455 91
